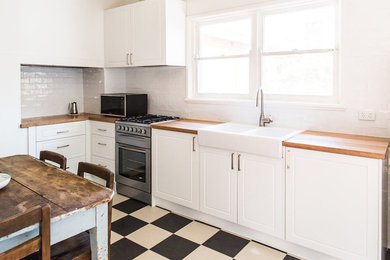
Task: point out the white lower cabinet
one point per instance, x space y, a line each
73 164
261 194
68 139
218 183
175 171
243 188
334 204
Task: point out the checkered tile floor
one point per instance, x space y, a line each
142 232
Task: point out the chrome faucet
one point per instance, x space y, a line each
263 119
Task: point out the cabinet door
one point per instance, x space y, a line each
175 170
218 183
333 203
261 194
117 30
147 33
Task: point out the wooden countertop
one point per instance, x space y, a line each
189 126
355 145
51 120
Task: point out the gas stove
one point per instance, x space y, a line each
133 155
140 125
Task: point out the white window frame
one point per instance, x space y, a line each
252 56
258 12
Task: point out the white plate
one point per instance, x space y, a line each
4 180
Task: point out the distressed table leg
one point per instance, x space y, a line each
99 234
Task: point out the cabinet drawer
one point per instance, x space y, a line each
73 164
110 164
103 147
70 147
50 132
102 128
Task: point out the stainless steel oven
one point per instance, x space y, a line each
133 165
133 156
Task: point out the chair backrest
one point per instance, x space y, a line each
33 216
106 175
53 157
98 171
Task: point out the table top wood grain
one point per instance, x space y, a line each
37 183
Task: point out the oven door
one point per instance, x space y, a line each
133 167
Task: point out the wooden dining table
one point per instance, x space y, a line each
77 205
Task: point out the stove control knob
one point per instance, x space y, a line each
127 128
139 130
119 127
144 131
131 129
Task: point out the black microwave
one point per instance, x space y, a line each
124 105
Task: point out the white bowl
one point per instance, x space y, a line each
4 180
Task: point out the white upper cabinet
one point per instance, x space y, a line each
117 22
334 204
62 32
175 167
146 33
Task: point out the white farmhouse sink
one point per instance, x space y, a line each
264 141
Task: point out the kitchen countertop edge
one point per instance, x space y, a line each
354 145
188 126
59 119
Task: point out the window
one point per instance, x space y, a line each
290 52
223 56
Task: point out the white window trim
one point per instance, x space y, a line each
316 102
193 58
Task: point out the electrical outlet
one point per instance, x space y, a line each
367 115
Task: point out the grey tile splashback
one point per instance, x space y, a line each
49 90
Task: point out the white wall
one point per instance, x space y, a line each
365 78
13 140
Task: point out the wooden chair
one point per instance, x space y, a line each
78 247
40 243
53 157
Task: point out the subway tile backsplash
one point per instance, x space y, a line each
48 91
93 81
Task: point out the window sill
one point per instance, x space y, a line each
269 103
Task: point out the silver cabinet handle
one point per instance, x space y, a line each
232 161
62 132
102 130
64 146
239 162
131 58
102 144
288 159
193 144
128 58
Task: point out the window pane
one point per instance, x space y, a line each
223 39
302 30
223 76
305 74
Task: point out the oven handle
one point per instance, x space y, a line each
132 149
133 136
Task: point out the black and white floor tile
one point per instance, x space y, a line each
143 232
